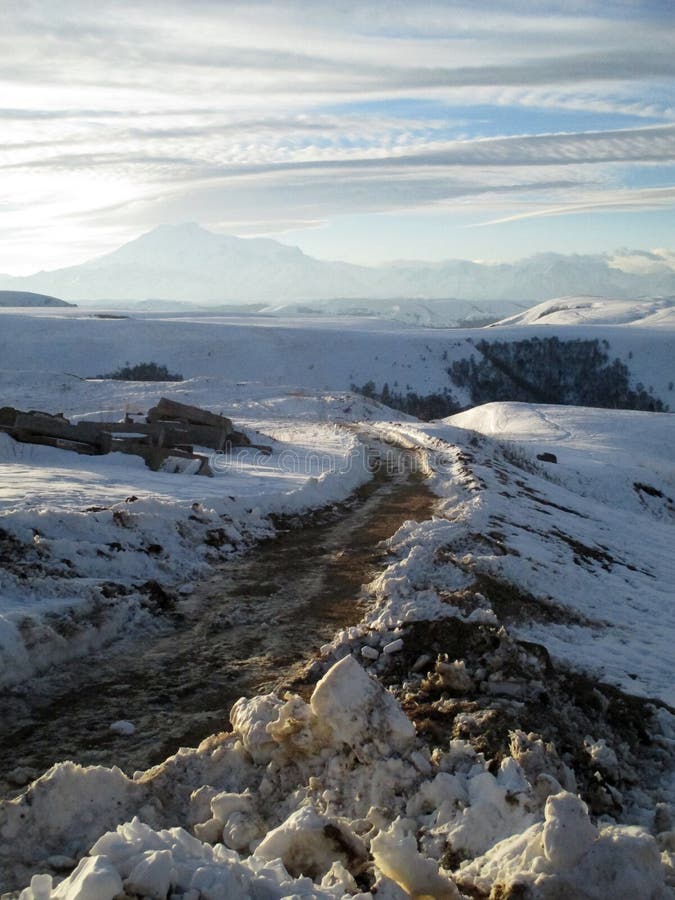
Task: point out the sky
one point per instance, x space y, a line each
356 130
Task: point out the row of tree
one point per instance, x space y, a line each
533 370
423 406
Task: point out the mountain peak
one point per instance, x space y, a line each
168 239
190 247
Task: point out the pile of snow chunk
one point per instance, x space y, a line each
321 800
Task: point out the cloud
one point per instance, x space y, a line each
643 262
618 200
639 145
255 112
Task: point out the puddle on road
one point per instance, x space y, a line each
243 630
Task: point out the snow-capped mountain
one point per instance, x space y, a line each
189 263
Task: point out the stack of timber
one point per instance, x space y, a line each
171 430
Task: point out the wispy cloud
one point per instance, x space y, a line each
161 103
643 199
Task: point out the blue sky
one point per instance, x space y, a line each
365 131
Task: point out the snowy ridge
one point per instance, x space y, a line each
658 311
562 534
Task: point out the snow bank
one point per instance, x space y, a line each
582 545
330 798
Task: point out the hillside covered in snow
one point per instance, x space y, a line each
651 313
29 299
338 353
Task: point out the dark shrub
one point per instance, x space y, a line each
143 372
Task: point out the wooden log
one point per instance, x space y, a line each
184 412
155 456
169 433
128 445
205 467
201 435
239 439
8 416
60 443
126 427
57 427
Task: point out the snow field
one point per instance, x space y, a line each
316 354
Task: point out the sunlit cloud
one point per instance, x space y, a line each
260 116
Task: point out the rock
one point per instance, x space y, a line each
122 727
21 776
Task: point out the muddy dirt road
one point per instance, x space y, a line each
239 633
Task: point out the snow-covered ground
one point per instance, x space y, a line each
71 525
516 654
331 793
317 354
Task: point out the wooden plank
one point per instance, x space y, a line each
155 456
128 445
126 427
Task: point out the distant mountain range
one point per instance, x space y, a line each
188 263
